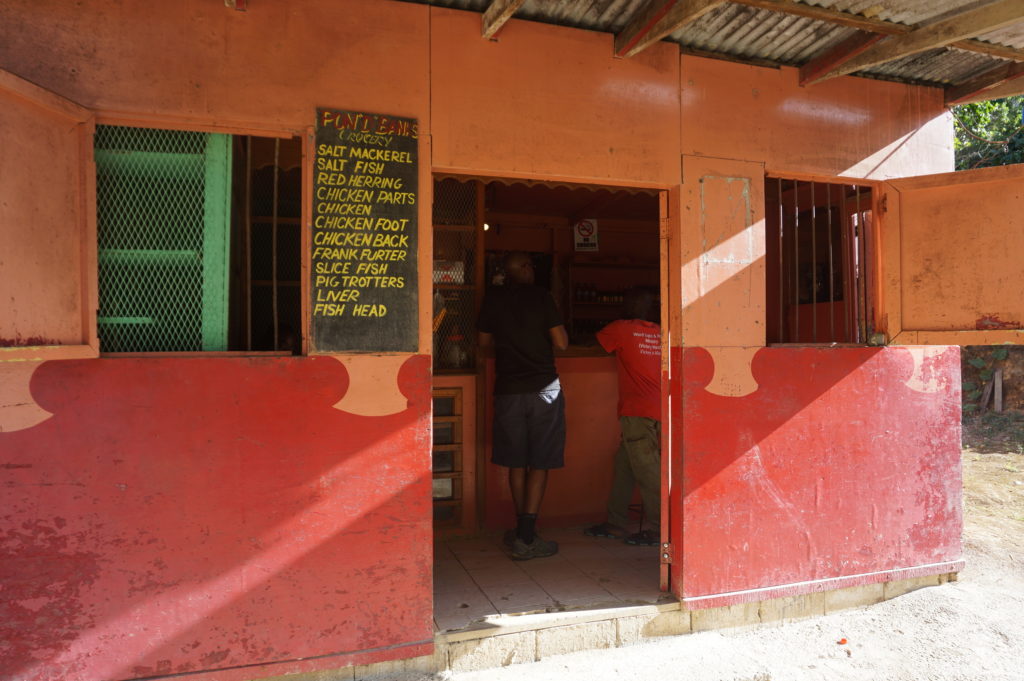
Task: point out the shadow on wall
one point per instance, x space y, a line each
186 514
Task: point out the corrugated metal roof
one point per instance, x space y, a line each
910 12
1013 36
946 66
740 32
745 32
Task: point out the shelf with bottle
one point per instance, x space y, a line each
617 264
589 294
584 331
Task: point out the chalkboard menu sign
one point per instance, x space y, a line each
364 258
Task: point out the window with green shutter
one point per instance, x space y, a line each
199 239
163 224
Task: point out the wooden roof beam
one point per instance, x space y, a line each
497 13
1004 80
657 19
870 25
857 43
832 16
961 26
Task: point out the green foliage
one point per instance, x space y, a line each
1000 354
974 395
977 362
969 386
985 375
998 125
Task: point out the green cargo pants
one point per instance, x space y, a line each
637 462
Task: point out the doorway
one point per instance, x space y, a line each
588 272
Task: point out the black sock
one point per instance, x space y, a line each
526 527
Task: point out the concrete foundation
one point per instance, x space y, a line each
530 638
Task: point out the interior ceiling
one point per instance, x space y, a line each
972 49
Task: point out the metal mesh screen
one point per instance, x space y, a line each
162 229
456 231
455 202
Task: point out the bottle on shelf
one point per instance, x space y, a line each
456 356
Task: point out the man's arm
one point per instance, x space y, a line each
486 341
559 338
609 338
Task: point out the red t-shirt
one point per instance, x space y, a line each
637 348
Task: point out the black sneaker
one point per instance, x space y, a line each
538 548
645 538
508 538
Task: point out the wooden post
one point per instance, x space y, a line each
997 379
986 394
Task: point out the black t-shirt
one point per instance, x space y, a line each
521 316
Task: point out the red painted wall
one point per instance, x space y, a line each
852 472
185 514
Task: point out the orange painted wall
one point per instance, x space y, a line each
846 126
550 102
511 107
261 72
765 123
267 67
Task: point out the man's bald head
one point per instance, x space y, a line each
519 267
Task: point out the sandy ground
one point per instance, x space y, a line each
970 629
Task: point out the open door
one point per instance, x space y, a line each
951 246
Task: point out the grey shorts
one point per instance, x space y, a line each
529 429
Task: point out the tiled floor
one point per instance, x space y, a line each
474 579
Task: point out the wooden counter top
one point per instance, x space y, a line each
582 351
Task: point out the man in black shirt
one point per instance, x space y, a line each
522 323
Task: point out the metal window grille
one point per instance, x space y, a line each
455 202
456 230
163 229
272 262
819 248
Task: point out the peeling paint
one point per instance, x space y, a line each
993 322
44 581
34 341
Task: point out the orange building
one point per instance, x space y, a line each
240 252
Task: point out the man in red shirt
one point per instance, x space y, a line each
636 343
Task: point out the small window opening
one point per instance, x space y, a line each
819 249
198 241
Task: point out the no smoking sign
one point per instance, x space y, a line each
585 235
